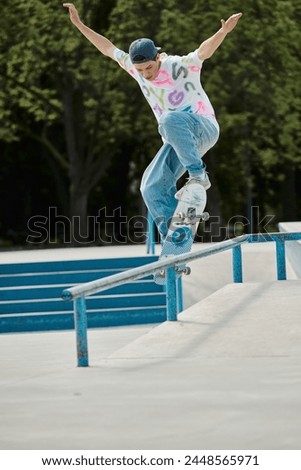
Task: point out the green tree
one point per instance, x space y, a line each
98 132
255 81
55 91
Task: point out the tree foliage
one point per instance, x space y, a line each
81 126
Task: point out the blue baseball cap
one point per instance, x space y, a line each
143 50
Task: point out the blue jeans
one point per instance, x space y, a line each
187 138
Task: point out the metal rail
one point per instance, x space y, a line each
78 293
279 238
136 273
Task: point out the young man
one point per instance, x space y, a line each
186 119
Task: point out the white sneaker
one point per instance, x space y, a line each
202 179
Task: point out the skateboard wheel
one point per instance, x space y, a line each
205 216
160 273
181 216
187 271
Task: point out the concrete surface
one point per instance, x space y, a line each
225 376
212 273
293 249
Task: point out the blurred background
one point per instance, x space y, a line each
76 133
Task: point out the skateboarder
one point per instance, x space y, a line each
186 119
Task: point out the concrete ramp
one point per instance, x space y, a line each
225 376
293 248
240 320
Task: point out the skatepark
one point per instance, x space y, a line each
226 375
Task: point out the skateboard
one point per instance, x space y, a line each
183 227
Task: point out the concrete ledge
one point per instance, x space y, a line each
240 320
226 376
293 249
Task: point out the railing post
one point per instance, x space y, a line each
180 305
280 255
80 323
237 264
171 294
150 242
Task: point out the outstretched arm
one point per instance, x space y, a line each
103 44
208 47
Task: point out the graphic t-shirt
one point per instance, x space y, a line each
177 86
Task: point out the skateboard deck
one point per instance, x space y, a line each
183 227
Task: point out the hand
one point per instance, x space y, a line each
74 16
231 22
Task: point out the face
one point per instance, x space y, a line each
149 70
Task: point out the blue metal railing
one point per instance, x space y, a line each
151 235
279 239
78 293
